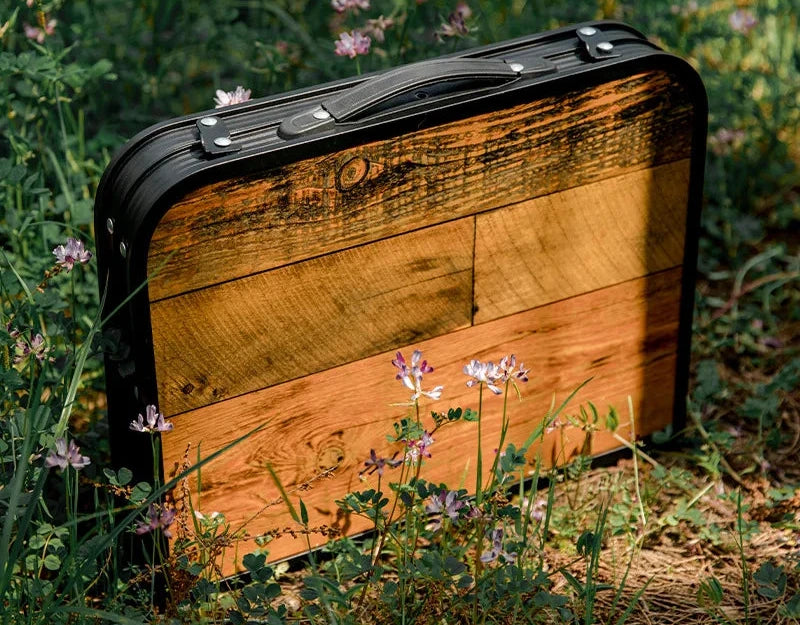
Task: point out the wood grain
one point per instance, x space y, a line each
623 336
589 237
259 331
265 329
238 227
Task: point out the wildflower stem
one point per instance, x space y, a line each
479 468
503 430
636 464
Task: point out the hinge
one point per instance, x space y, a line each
215 136
597 46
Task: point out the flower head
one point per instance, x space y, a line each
66 455
447 504
37 34
155 422
377 27
70 253
496 536
418 447
506 369
411 376
377 464
227 98
484 373
352 44
342 5
35 346
158 517
456 24
742 21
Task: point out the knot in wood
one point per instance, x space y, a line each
351 173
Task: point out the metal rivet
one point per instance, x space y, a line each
110 225
123 249
587 30
209 121
321 114
516 67
222 142
605 46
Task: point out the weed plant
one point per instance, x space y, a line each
78 78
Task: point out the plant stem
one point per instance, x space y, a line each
636 464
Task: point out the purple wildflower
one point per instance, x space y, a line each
376 464
445 503
155 422
35 347
377 27
352 44
419 447
725 139
411 376
506 369
496 550
157 518
484 373
456 24
742 21
63 456
38 34
340 6
227 98
71 253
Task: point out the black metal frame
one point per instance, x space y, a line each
166 161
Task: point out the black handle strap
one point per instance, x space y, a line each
360 99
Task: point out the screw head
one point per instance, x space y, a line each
516 67
321 114
222 142
588 31
123 249
209 121
110 225
605 46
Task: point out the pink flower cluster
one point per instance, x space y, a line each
419 447
343 5
64 456
456 24
352 44
158 517
26 348
411 376
70 253
227 98
34 33
155 422
493 375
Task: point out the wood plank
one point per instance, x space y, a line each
259 331
238 227
579 240
623 336
526 255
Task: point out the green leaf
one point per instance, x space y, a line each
52 562
770 581
303 513
792 607
454 566
16 174
140 492
124 476
708 381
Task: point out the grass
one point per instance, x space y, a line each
700 527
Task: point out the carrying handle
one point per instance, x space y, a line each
373 92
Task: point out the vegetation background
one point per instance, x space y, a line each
79 78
